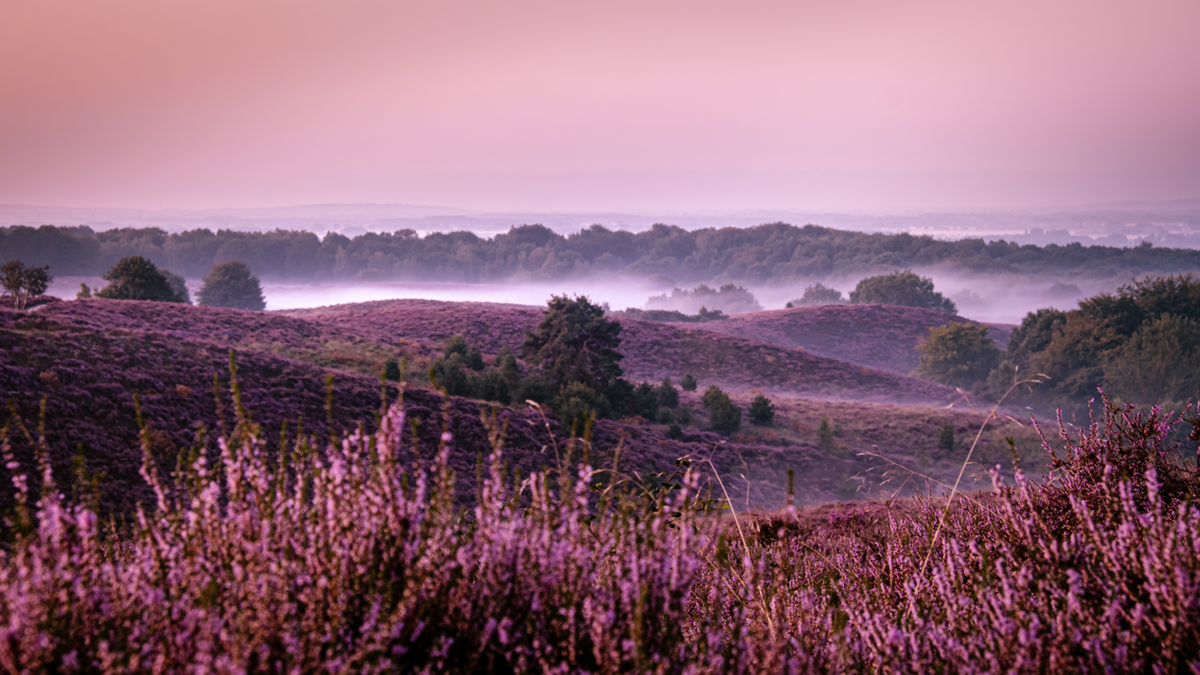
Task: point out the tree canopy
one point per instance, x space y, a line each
230 284
136 278
750 255
957 354
1141 343
819 294
20 281
901 288
574 349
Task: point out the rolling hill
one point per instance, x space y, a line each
875 336
86 359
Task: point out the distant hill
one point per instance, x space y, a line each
876 336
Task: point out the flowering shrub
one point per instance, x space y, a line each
357 559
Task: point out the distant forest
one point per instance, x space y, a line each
776 251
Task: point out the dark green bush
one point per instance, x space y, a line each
136 278
668 395
825 436
945 441
645 401
723 415
688 383
762 411
391 370
230 284
471 356
901 288
957 354
819 294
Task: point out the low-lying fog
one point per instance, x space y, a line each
991 299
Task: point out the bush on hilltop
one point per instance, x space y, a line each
136 278
230 284
903 288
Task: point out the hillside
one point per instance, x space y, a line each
876 336
652 350
87 358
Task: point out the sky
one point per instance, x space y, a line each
563 105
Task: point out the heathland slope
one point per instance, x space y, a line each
87 359
652 350
876 336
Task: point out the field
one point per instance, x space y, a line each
387 527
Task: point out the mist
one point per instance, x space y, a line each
986 298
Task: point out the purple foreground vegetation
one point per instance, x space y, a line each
358 559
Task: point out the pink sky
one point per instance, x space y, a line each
614 104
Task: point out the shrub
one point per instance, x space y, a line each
451 375
675 432
576 402
178 286
762 411
391 370
21 282
901 288
945 441
84 292
645 400
687 383
493 386
136 278
825 436
470 355
230 284
957 354
684 415
819 294
723 415
668 395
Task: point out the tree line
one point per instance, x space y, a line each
1140 344
776 251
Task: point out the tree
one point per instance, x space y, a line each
1033 335
21 282
1159 364
825 435
901 288
230 284
645 400
723 416
762 411
391 370
668 395
687 383
178 286
471 356
957 354
819 294
136 278
945 441
575 344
